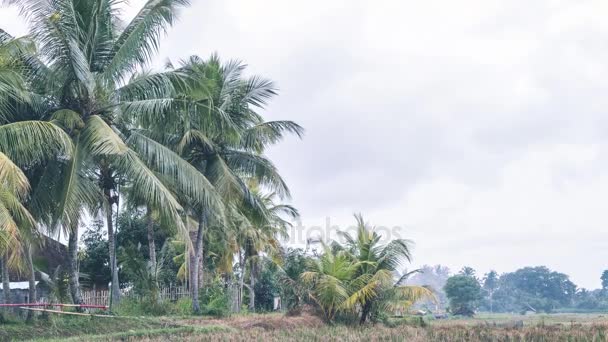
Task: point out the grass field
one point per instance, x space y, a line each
275 327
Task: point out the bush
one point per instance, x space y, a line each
217 307
414 321
183 307
215 300
147 307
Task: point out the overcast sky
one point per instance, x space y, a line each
478 127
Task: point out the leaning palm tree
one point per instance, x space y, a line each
85 77
219 133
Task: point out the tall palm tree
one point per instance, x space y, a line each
220 134
85 75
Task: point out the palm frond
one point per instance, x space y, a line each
146 187
262 135
260 168
100 139
140 39
186 177
29 142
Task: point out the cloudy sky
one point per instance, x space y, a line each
477 127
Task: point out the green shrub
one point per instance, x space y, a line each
218 306
183 307
215 301
145 307
413 321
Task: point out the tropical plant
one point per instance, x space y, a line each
359 276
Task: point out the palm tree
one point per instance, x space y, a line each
219 133
359 275
378 265
85 76
24 146
257 235
330 277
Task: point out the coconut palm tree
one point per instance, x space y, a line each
359 275
258 235
86 77
329 277
378 264
225 142
25 145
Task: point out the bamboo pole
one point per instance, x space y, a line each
64 312
84 306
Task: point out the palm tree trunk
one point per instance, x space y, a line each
151 243
73 281
365 312
198 252
32 279
252 272
241 279
112 247
201 267
6 283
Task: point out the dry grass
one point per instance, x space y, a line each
593 333
263 321
276 327
485 328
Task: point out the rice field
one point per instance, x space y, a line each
276 327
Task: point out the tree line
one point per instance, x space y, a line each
528 289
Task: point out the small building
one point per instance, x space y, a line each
20 292
48 256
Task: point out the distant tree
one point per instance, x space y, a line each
534 288
468 271
464 293
490 284
604 279
435 278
